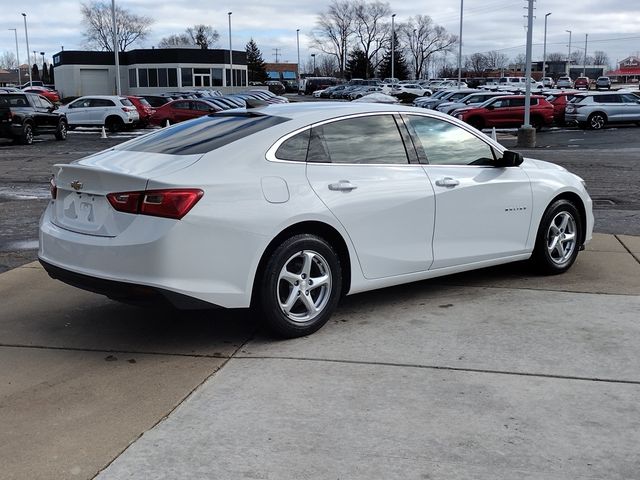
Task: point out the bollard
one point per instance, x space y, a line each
493 134
167 123
103 134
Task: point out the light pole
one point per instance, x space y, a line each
569 57
115 47
544 51
584 67
313 55
15 31
298 67
26 35
393 47
460 46
230 53
526 133
42 75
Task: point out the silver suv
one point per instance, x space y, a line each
603 82
596 110
112 111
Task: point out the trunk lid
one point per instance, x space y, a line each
81 203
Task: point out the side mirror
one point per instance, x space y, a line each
510 159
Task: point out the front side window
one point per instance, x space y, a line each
444 143
373 139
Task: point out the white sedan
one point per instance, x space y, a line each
289 207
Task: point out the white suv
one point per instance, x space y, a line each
112 111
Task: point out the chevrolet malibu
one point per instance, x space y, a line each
287 208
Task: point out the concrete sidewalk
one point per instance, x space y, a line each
486 375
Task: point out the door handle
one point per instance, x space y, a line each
447 182
342 186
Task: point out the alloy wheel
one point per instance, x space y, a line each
304 286
597 122
561 238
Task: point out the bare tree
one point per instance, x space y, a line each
327 65
175 41
334 29
8 60
600 58
496 60
556 57
203 35
96 17
370 28
476 63
424 39
519 61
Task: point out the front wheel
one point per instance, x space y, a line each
558 240
300 286
597 121
61 132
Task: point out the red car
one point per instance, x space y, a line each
181 110
507 111
581 82
47 93
145 110
559 102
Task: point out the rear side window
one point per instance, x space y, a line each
607 98
371 139
102 102
203 134
126 102
295 148
14 100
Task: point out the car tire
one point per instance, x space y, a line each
114 124
476 122
61 132
292 300
557 242
597 121
537 122
26 138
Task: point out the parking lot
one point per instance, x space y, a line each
492 374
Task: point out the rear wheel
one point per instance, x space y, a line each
476 122
557 243
114 124
300 286
597 121
61 132
27 134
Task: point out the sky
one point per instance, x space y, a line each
612 26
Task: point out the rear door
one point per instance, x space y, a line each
77 112
46 120
359 168
631 105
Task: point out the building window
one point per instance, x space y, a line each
201 77
216 77
162 77
173 77
143 78
133 78
153 77
187 77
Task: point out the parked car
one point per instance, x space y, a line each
318 93
49 94
547 82
603 83
581 82
111 111
364 91
145 110
156 100
290 209
559 100
475 98
326 93
178 111
507 111
276 87
564 82
597 110
452 95
25 115
409 91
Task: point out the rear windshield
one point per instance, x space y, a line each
203 134
126 102
13 100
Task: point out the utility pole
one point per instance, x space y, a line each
26 35
569 57
526 133
460 46
584 66
393 47
544 51
230 53
116 46
298 65
15 31
277 50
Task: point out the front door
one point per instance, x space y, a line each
483 212
359 168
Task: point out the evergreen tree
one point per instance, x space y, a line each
401 69
358 65
45 74
51 77
35 73
256 68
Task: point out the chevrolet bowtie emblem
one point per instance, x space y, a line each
76 184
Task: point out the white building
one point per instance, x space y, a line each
147 71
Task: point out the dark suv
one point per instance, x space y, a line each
24 115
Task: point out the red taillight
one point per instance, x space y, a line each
171 203
128 109
53 188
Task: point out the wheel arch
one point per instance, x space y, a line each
321 229
579 204
599 112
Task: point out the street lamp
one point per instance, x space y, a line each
544 51
230 53
26 35
15 32
298 66
116 47
569 57
393 47
42 75
584 67
460 46
313 55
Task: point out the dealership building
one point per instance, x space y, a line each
148 71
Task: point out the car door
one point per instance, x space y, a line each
45 120
180 111
483 212
631 104
77 112
358 166
498 113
